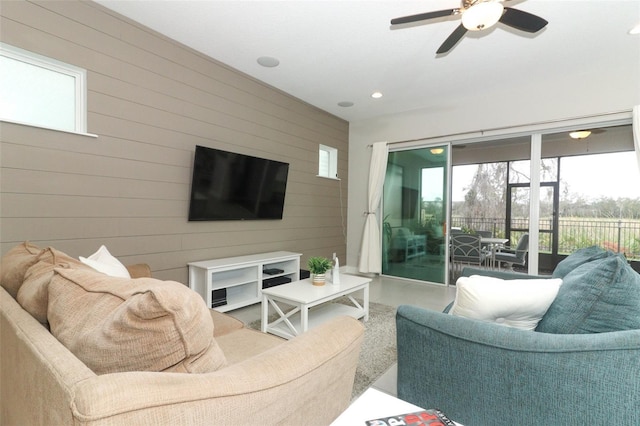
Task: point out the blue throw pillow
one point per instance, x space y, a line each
597 297
579 257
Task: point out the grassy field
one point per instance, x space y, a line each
618 235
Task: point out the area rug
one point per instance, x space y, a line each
378 352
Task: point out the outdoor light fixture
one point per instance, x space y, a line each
483 15
580 134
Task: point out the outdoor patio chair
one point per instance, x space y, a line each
467 249
514 257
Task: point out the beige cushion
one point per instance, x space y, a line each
246 343
119 324
33 295
15 264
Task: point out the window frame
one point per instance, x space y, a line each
80 85
331 171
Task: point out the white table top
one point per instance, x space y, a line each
270 257
493 240
374 404
304 291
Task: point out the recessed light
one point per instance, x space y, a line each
345 104
376 95
268 61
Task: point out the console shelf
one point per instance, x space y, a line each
240 277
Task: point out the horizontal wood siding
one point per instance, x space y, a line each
150 101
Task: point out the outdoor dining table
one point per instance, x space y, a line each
494 244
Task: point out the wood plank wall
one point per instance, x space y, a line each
150 101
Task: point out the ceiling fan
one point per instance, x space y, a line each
479 15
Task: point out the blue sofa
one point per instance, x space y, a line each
581 366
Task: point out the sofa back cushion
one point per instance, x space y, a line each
596 297
33 294
119 324
15 264
579 257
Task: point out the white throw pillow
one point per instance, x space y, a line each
104 262
514 303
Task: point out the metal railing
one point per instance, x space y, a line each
619 235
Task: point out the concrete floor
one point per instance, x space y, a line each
388 291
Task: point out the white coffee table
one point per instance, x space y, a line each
300 305
374 404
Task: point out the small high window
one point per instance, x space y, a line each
328 162
40 91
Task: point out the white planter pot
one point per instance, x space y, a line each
318 279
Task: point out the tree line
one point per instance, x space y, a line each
486 197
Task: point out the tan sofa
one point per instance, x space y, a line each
264 380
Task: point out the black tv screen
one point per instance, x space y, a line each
231 186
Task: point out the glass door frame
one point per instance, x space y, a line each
555 186
447 168
536 132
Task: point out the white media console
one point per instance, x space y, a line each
241 278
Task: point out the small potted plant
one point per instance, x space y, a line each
318 266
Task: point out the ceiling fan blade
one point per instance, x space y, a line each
521 20
423 16
454 38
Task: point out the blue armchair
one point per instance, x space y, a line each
482 373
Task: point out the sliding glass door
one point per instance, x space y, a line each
581 195
414 215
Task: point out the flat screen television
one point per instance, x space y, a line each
230 186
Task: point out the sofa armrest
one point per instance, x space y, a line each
139 270
306 380
482 373
38 373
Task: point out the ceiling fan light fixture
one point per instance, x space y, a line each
483 15
580 134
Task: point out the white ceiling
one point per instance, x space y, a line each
334 51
